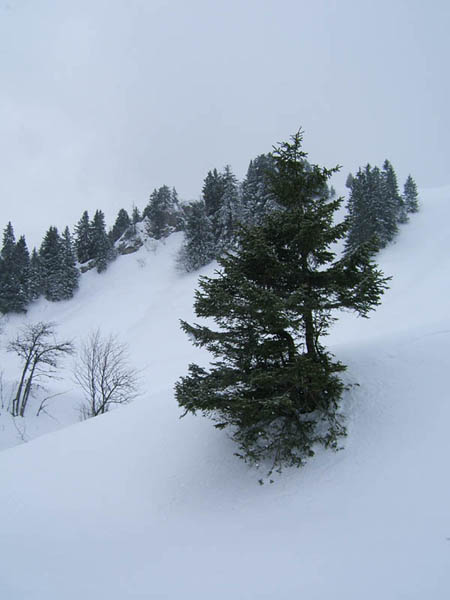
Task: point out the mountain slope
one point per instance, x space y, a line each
141 504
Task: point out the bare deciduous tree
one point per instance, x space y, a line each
104 374
37 347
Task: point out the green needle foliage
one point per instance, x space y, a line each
272 382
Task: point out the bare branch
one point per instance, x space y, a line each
104 375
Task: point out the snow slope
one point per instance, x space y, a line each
139 504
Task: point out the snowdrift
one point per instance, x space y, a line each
141 504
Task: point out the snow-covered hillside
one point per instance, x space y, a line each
141 504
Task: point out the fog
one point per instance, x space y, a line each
101 101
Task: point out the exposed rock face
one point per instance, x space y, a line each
129 246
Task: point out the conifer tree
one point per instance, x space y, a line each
257 198
51 256
21 259
272 381
198 248
394 208
228 215
212 192
14 272
373 209
36 285
71 274
121 224
410 196
161 212
101 249
136 215
83 243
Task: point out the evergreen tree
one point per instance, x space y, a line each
212 192
272 381
51 254
101 249
349 181
21 259
14 272
257 198
83 243
198 248
9 243
36 283
372 209
162 212
394 206
229 213
410 196
71 274
121 225
136 215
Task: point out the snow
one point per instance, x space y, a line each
140 504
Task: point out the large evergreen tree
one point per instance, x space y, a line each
272 381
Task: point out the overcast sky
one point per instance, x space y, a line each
101 101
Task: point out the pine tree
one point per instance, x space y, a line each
373 210
101 250
21 259
71 274
36 283
272 381
121 225
51 255
212 192
161 212
410 196
136 215
394 206
14 272
83 243
198 248
257 198
229 213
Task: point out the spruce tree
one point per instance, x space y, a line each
410 196
51 255
272 381
162 212
100 248
71 274
83 244
394 206
14 272
36 283
212 192
198 248
121 225
21 259
228 215
257 198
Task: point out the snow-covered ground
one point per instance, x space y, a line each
139 504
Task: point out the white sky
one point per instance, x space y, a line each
103 100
